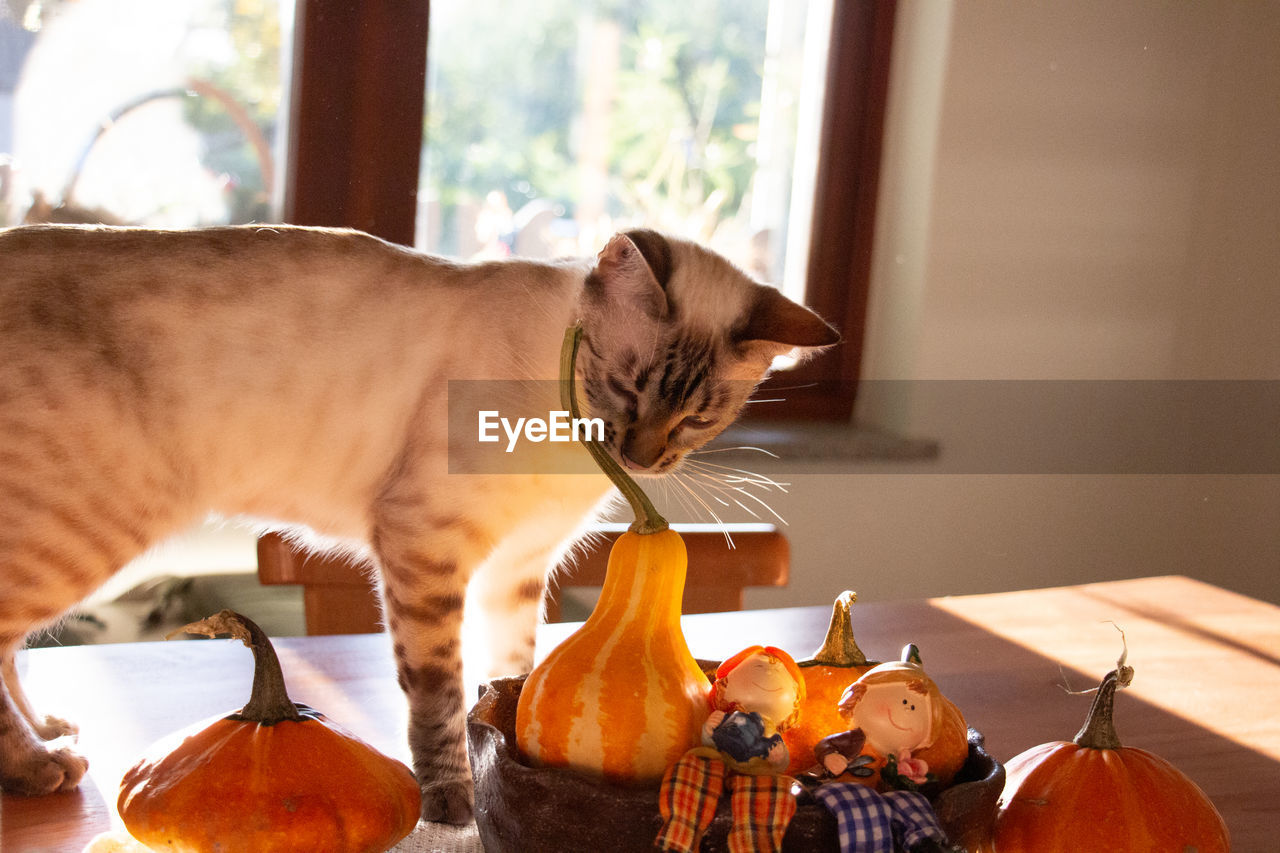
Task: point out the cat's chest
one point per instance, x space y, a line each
531 503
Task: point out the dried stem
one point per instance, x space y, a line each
648 519
269 702
839 648
1099 730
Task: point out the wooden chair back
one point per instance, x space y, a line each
338 596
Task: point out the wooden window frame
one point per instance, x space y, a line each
355 139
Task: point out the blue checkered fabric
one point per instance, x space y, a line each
873 822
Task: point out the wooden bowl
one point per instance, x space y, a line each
519 807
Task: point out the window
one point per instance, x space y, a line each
551 141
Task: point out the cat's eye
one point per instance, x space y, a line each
696 422
626 394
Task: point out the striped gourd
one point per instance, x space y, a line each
622 697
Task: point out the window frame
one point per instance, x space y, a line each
355 137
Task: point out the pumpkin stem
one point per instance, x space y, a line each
268 703
1099 730
648 519
839 647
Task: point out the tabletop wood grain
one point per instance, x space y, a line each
1204 695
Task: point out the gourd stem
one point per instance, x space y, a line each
269 702
1099 730
648 519
839 647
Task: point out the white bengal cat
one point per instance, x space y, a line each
298 376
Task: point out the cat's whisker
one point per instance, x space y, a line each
665 485
751 481
767 400
794 387
710 486
752 477
720 479
740 474
763 504
710 483
725 449
677 496
719 482
724 529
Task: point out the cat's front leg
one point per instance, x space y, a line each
26 766
424 591
46 727
505 601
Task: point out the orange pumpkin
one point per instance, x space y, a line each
274 777
622 697
1092 793
950 747
827 674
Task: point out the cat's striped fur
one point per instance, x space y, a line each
298 376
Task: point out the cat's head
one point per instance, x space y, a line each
675 340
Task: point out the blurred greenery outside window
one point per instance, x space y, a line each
150 112
552 124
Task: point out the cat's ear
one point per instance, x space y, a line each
777 325
623 277
656 251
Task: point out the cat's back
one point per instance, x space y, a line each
76 289
258 356
214 263
32 241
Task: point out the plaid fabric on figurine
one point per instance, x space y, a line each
762 806
872 822
756 695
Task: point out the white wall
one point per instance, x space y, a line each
1078 190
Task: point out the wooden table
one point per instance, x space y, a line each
1205 694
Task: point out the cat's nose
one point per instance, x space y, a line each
641 450
631 464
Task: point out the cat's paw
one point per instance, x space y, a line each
45 773
448 802
54 727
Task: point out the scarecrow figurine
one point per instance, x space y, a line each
757 694
870 779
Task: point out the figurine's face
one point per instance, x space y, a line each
893 717
762 684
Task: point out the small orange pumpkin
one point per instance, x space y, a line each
621 697
950 747
827 674
831 670
1092 793
273 777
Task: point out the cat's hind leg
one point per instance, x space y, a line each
59 540
36 594
41 582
